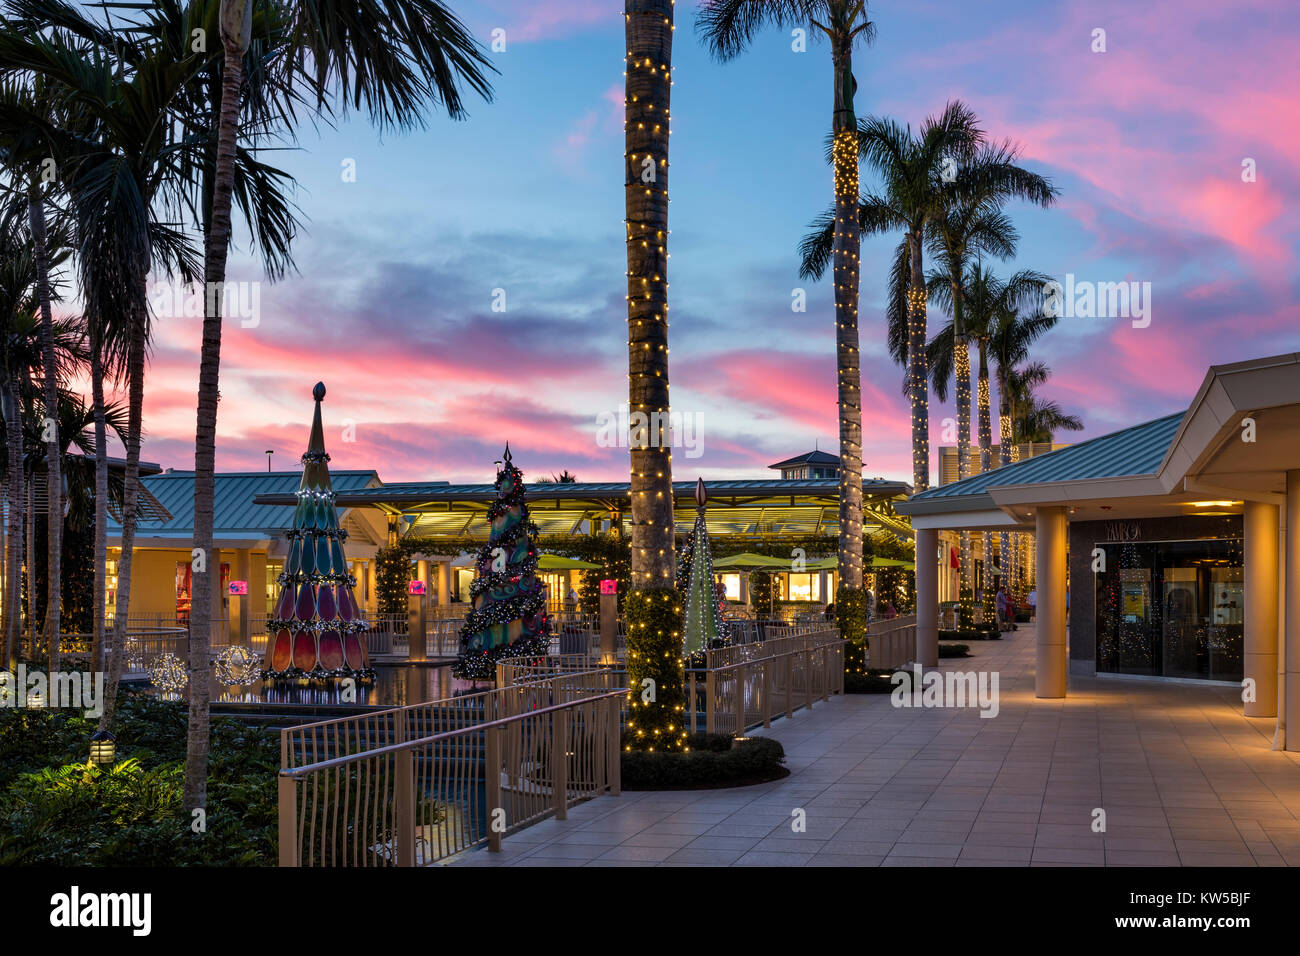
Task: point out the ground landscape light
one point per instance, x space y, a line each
103 749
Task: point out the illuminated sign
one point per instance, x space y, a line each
415 587
609 586
239 588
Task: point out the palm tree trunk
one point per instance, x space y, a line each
986 461
1006 555
29 625
918 374
845 250
54 478
649 81
961 373
653 609
214 274
101 497
17 502
135 406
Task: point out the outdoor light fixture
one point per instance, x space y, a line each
103 749
1212 504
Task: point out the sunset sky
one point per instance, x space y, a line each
392 306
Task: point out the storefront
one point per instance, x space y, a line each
1169 550
1165 608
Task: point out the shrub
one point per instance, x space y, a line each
973 633
954 650
654 641
714 760
57 810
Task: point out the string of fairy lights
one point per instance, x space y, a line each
647 128
916 306
845 276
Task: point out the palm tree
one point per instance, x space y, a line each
22 159
395 62
912 169
122 164
653 615
971 225
728 26
991 308
1033 417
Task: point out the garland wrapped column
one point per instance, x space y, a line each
317 626
508 616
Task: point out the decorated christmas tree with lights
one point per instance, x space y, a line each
703 628
508 608
317 628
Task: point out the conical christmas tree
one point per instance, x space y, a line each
508 615
703 622
317 626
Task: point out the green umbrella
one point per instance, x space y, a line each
554 562
832 563
747 560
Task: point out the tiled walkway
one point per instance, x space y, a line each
1182 777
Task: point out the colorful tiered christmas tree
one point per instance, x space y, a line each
703 628
508 614
317 628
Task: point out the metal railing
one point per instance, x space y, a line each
743 686
891 643
414 785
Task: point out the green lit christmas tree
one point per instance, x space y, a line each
703 628
508 615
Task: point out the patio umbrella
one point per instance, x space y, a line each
747 560
832 563
555 562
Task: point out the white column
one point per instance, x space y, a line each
1292 549
1049 676
927 597
1260 574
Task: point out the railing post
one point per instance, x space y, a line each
560 763
826 671
767 693
288 812
808 676
789 684
710 695
740 699
492 784
614 762
404 825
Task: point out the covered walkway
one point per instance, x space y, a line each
1183 778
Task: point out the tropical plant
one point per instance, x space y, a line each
912 169
1035 418
991 308
728 27
395 59
972 225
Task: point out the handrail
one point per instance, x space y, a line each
445 735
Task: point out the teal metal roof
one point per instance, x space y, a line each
234 514
1134 451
